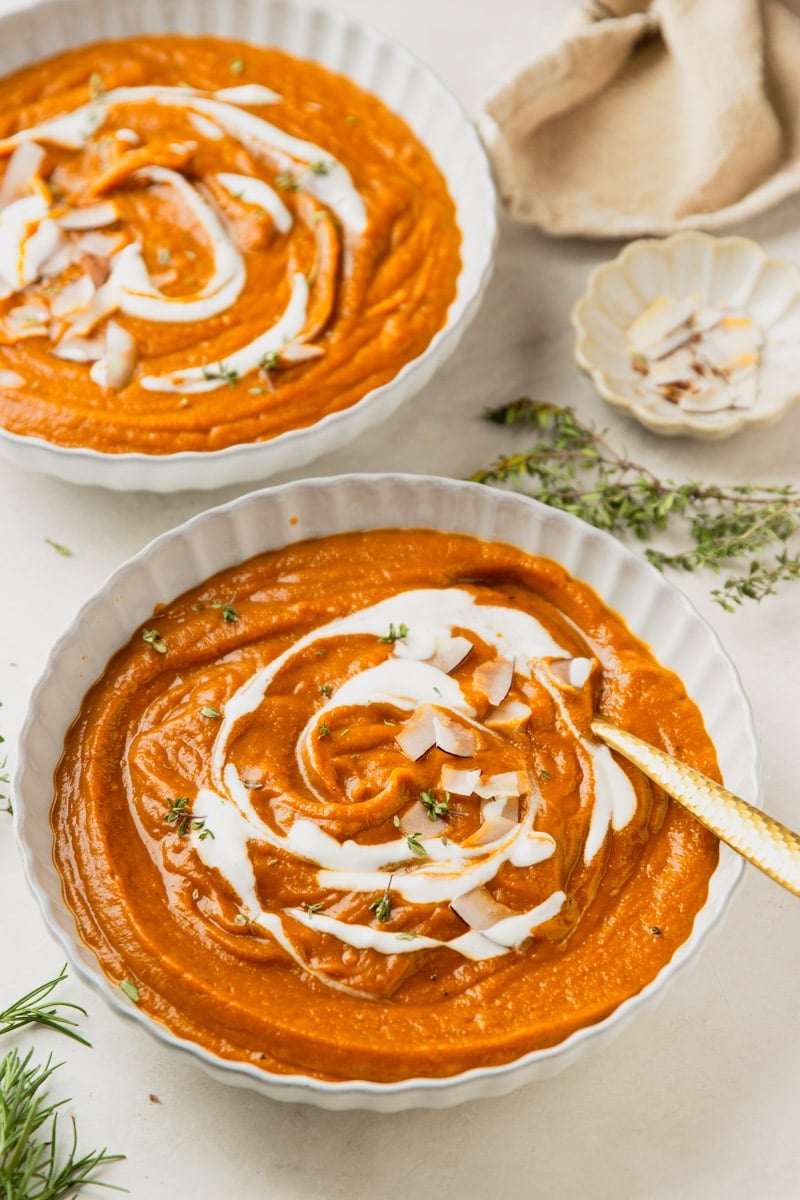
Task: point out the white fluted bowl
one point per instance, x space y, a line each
376 64
726 272
654 609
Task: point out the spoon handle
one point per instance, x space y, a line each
759 838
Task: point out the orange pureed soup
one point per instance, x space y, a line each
339 811
204 243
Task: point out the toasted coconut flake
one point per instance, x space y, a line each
417 819
80 350
493 829
91 216
62 257
459 781
102 245
10 379
96 268
501 806
295 352
511 715
660 319
505 783
579 671
40 248
454 738
106 301
75 297
699 365
115 369
494 679
26 321
418 733
479 909
21 172
450 653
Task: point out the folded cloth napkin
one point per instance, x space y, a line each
652 116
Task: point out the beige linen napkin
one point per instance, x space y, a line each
652 116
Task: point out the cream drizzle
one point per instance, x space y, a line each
334 187
257 192
449 869
27 239
248 358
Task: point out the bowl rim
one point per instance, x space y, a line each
417 1091
131 470
680 422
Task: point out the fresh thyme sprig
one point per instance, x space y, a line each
741 530
382 907
180 815
31 1009
395 634
436 807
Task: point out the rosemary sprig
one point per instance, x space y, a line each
34 1167
31 1009
741 530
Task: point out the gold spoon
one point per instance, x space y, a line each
759 838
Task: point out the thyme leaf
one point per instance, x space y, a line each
434 807
229 613
394 634
229 374
154 639
180 815
382 907
412 840
739 531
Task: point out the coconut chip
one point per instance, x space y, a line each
494 679
418 734
454 738
479 909
90 216
702 359
21 172
510 717
115 369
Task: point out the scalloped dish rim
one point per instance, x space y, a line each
683 423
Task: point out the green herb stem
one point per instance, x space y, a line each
741 531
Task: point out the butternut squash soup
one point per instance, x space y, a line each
339 812
205 243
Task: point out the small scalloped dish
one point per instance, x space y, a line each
731 275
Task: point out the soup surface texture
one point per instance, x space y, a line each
205 243
339 811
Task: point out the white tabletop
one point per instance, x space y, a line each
698 1098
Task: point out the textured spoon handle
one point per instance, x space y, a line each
759 838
